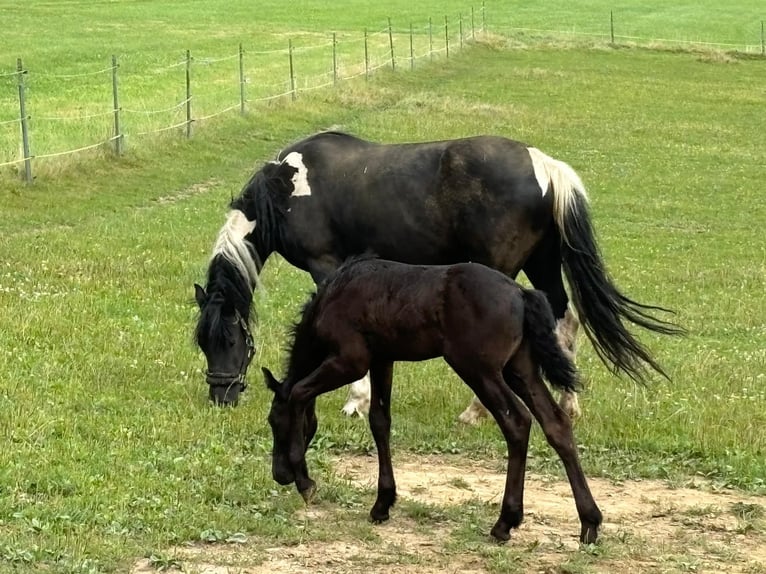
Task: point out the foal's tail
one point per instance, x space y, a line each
601 307
539 332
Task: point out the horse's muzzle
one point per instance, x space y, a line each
226 395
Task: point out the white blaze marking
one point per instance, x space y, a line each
300 179
541 173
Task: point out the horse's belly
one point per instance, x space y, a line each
407 346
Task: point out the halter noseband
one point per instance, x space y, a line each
231 379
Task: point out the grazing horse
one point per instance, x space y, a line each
497 336
484 199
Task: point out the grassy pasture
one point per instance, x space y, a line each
112 453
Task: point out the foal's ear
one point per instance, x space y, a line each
271 381
200 295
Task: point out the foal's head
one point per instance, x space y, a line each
281 423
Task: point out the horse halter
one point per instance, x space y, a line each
231 379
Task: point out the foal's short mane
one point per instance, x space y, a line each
303 351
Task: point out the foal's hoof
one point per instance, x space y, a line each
500 534
378 517
588 534
379 513
309 492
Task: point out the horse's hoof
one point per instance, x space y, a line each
379 518
352 408
309 493
588 534
500 535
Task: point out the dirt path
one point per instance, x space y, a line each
648 527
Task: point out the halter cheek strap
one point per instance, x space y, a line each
215 379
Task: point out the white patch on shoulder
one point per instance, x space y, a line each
300 179
541 173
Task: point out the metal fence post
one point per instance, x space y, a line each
292 70
241 81
446 35
412 50
366 58
188 95
334 59
24 123
391 45
116 102
430 38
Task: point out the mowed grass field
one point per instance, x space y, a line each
111 451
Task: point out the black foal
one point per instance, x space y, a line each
497 336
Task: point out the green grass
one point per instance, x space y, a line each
111 451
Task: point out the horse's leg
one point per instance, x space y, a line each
381 373
515 423
543 269
526 382
334 372
358 400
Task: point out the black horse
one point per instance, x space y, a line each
484 199
497 336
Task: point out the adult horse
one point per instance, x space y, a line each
485 199
497 336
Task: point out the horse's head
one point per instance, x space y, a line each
281 424
224 336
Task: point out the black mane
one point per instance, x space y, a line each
228 292
265 200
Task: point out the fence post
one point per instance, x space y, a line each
366 58
188 95
412 51
391 44
611 25
460 28
483 18
292 70
334 60
24 123
430 38
763 41
446 35
473 28
241 81
115 99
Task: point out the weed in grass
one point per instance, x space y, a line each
162 562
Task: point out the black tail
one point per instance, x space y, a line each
539 331
600 305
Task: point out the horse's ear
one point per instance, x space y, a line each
271 381
200 295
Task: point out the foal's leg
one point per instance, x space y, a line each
358 401
380 425
515 423
334 372
557 427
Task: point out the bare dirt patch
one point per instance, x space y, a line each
648 527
